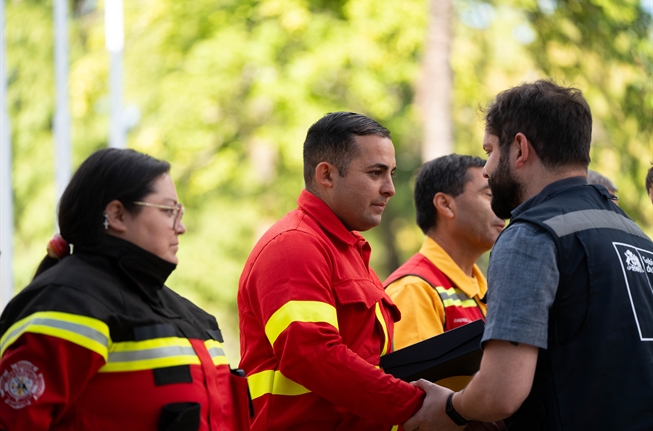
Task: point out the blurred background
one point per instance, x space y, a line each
225 90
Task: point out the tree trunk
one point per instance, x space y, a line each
433 95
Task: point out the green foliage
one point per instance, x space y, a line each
30 99
227 90
605 48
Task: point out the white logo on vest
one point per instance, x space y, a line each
649 264
632 262
21 385
637 266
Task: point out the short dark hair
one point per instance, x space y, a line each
106 175
332 139
446 174
649 180
556 120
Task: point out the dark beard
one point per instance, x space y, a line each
506 191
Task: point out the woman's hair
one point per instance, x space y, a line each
108 174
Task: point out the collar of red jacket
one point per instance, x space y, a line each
320 211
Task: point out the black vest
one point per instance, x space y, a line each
597 373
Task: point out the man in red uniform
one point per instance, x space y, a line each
314 318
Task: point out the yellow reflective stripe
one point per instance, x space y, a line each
149 354
299 311
395 428
275 383
379 316
90 333
468 303
455 297
450 291
220 360
216 350
93 334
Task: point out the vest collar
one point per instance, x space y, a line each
547 192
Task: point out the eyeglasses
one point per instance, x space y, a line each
177 211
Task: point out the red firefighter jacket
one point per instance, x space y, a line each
314 322
98 343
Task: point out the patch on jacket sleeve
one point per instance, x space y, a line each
21 385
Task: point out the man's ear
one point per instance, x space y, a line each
445 205
325 173
524 150
114 214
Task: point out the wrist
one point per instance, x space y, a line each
456 417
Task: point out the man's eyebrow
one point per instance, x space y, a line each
380 166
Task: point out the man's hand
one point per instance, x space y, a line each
432 415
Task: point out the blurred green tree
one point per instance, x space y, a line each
227 90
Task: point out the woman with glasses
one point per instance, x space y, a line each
97 341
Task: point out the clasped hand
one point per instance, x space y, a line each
433 417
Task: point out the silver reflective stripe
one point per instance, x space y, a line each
460 296
577 221
444 294
216 352
60 324
155 353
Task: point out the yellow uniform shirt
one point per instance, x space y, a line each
422 311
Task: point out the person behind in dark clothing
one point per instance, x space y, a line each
97 341
568 342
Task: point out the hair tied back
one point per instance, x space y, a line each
58 248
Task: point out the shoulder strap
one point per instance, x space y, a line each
419 266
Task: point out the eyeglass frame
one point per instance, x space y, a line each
179 208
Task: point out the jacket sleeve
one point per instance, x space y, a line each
47 359
290 290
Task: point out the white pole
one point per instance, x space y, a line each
114 38
6 200
62 148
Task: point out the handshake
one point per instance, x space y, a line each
436 415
